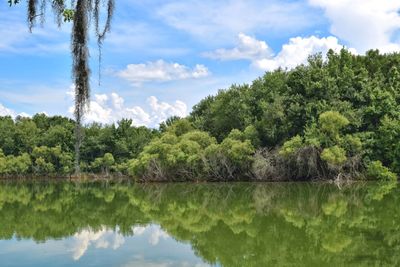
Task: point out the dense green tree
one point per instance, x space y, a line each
105 163
328 119
7 132
346 107
49 144
51 160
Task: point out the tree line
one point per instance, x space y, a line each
333 118
44 146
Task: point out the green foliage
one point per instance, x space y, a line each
181 154
49 144
251 133
68 15
105 163
171 120
348 101
324 119
331 122
16 165
51 160
291 146
180 127
377 171
388 142
334 155
239 151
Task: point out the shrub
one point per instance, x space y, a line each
377 171
291 146
334 155
332 122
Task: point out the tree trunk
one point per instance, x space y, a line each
78 142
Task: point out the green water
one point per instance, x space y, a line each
241 224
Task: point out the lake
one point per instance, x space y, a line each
231 224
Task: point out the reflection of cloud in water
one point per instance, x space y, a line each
100 239
138 230
155 233
155 236
106 238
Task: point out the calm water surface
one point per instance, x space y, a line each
241 224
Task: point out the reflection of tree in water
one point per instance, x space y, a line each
233 224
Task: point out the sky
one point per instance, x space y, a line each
163 56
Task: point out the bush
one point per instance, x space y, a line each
377 171
291 146
335 156
193 155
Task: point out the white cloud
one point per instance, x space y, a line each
216 21
6 111
297 52
25 115
247 48
292 54
364 24
111 108
160 71
162 110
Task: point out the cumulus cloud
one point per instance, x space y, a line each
295 52
247 48
364 24
6 111
160 71
109 108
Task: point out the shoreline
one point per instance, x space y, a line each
123 178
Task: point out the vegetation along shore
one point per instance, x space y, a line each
331 119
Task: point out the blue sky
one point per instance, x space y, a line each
162 57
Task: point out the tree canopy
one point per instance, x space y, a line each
334 118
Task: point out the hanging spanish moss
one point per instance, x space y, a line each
101 34
32 8
58 7
80 69
42 11
81 12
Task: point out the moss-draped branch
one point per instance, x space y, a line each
81 12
